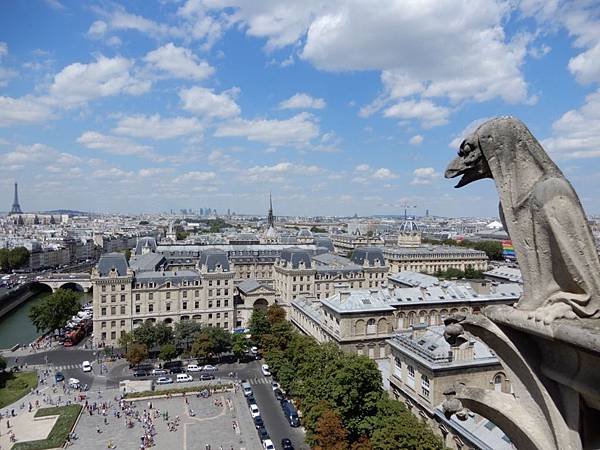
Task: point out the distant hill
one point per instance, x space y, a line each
70 212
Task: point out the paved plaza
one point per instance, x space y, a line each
221 421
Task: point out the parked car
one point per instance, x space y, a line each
286 444
254 350
291 414
268 444
86 366
159 372
193 368
172 364
246 388
58 377
265 370
251 400
184 378
164 380
279 395
74 383
254 411
275 385
209 368
206 376
258 422
140 373
177 369
262 434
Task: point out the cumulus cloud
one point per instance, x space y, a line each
155 127
296 131
113 144
302 101
79 83
97 29
424 175
417 139
5 72
179 62
384 174
362 168
24 110
577 133
451 59
472 126
195 177
206 103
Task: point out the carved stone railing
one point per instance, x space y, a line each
555 374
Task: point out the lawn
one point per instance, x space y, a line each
13 386
57 437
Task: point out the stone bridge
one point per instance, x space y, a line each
67 280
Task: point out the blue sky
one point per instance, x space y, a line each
337 107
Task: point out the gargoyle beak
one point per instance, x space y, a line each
456 168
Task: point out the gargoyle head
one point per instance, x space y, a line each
470 163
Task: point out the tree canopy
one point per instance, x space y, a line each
55 310
13 258
153 335
136 353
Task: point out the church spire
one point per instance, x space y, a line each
270 217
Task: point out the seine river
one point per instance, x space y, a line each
16 328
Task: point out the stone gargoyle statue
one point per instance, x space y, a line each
543 216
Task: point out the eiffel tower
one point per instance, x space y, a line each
16 208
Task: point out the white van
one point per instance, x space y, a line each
86 366
193 368
184 378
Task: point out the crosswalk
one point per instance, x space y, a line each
67 367
259 380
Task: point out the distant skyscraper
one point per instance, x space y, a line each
16 208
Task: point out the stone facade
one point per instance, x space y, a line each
431 259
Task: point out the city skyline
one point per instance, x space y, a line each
183 104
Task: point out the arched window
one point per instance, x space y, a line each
498 379
371 326
359 327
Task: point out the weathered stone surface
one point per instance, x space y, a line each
543 216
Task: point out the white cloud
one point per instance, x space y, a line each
5 73
384 174
3 49
428 49
206 103
417 139
113 144
302 101
79 83
296 131
179 62
277 168
362 168
22 110
577 133
425 111
472 126
97 29
424 175
196 177
155 127
55 4
154 171
113 173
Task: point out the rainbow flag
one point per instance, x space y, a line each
508 250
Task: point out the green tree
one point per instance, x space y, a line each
275 314
279 336
136 354
55 310
201 348
127 253
259 326
144 334
239 345
163 334
168 352
186 332
18 257
396 427
125 340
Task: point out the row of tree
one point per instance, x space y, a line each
451 273
341 396
13 258
186 338
493 249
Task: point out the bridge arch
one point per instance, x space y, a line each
73 286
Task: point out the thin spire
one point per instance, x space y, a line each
271 217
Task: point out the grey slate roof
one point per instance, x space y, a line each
329 262
147 262
145 242
248 286
175 277
110 261
373 255
413 279
295 256
214 258
324 242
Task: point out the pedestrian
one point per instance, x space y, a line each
7 423
105 420
98 430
